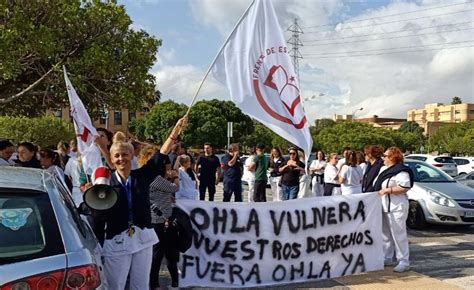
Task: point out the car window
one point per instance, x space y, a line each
421 158
66 196
28 226
426 173
461 161
444 159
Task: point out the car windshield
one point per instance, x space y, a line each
28 227
427 173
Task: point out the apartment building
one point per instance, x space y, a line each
114 120
432 116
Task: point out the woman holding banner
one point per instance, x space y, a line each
127 227
392 183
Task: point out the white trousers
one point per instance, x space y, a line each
251 185
317 188
394 235
276 190
116 270
304 186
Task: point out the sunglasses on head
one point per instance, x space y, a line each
292 153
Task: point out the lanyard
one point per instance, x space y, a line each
128 190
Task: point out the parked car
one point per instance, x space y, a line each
44 243
465 164
466 179
437 198
445 163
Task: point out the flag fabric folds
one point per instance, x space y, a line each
85 131
255 66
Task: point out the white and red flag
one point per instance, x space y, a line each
85 131
255 66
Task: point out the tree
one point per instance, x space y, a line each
207 123
410 127
161 119
107 61
456 100
45 131
454 138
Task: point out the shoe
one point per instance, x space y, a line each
388 262
401 268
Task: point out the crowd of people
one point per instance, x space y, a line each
149 178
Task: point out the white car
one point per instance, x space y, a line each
465 164
437 198
445 163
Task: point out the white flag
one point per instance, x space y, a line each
254 64
85 131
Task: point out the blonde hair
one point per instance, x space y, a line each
119 141
181 159
119 136
145 154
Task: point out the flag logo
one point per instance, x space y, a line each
278 88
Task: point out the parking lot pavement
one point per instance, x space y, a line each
442 257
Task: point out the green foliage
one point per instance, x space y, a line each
411 127
261 134
454 138
207 122
161 119
108 62
44 131
456 100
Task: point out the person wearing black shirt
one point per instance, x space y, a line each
232 173
208 168
373 155
290 179
27 155
126 229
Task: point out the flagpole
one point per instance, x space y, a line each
215 58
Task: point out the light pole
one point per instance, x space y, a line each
354 112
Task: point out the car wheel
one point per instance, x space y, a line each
416 217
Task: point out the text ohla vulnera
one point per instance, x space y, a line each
222 221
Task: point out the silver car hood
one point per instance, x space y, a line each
454 190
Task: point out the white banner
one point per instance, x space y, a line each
255 66
247 245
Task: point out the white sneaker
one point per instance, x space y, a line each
400 268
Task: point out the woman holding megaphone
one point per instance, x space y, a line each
126 226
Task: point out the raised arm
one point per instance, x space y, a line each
180 125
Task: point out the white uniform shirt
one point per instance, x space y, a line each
187 186
363 166
4 162
397 201
72 170
352 179
318 164
330 173
248 175
341 162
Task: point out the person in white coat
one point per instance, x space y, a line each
187 186
392 184
317 170
249 175
351 175
276 161
331 177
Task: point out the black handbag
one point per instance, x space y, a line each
184 229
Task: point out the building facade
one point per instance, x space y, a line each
432 116
376 121
114 120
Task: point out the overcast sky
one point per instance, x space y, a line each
383 56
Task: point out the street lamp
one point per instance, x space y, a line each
354 112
